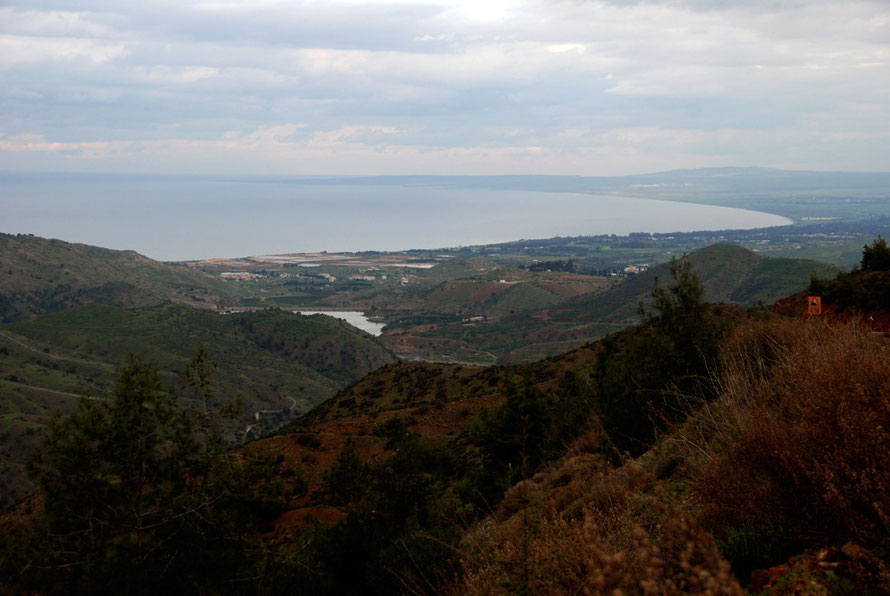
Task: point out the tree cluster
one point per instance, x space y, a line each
864 289
139 496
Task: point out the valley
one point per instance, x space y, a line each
517 303
417 414
661 433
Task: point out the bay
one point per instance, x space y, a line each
180 218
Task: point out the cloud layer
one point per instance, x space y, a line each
445 86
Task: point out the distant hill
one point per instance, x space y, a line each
280 364
38 276
698 181
504 290
534 323
729 274
458 269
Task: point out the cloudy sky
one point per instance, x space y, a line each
443 86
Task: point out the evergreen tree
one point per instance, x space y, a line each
876 257
138 498
640 374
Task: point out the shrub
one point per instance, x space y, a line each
798 444
309 440
347 478
531 427
588 528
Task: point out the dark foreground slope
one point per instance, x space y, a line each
279 364
39 276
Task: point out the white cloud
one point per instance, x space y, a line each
17 51
51 23
450 85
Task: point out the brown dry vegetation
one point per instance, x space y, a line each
788 468
587 528
784 473
800 436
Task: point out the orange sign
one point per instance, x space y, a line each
815 305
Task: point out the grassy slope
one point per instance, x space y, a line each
38 276
277 361
457 269
728 273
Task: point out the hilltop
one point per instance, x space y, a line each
729 274
39 275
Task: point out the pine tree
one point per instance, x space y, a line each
876 256
640 374
138 497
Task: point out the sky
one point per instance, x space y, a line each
443 87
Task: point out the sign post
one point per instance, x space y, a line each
814 305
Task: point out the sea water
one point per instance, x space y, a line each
180 218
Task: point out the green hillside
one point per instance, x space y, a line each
533 322
39 276
523 297
458 269
729 274
280 364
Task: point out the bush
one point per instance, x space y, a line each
531 427
587 528
864 291
798 443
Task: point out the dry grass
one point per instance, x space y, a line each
587 528
797 445
801 435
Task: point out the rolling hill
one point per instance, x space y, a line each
533 322
729 274
38 276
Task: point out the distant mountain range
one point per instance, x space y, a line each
839 195
726 180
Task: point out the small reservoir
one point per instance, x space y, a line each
353 317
